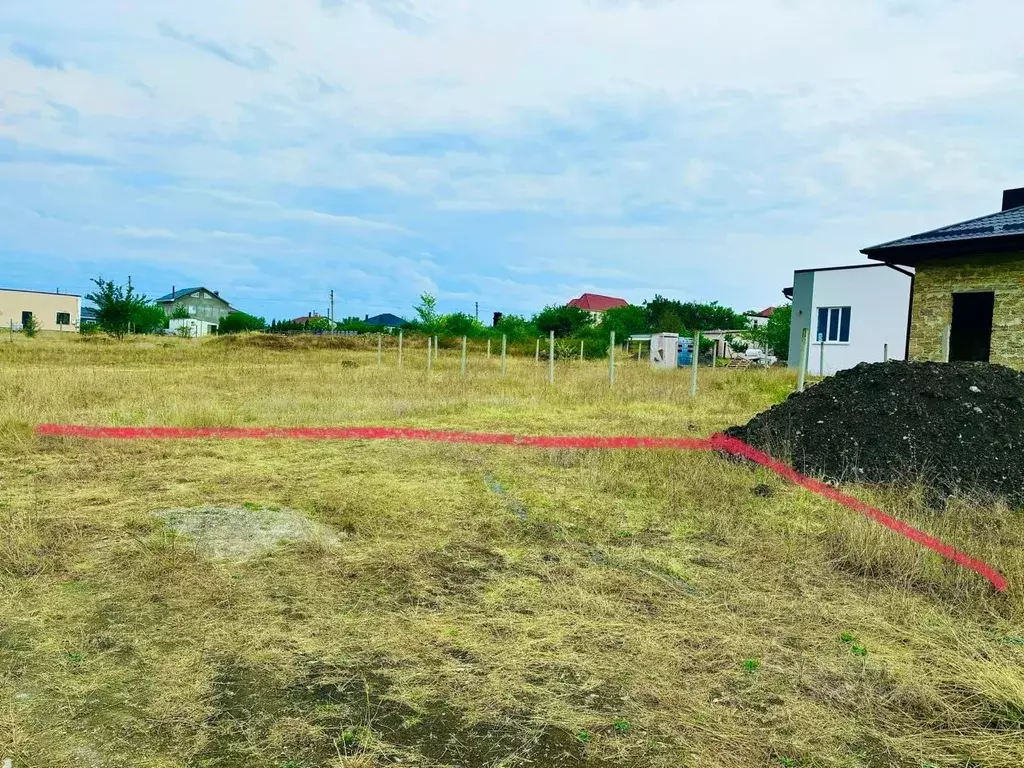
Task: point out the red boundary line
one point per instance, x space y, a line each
718 442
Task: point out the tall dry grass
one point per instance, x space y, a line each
475 605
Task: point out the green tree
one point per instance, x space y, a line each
459 324
318 324
426 311
180 313
240 322
30 326
356 324
116 306
671 316
148 318
625 321
517 328
774 336
563 320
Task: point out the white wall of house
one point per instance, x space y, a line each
879 301
196 328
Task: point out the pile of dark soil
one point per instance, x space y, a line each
958 428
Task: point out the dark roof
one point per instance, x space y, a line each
185 292
595 302
994 233
387 320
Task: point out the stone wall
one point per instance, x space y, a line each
937 281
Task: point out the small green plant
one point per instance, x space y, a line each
847 637
751 665
252 506
622 727
858 650
30 326
75 658
786 762
584 737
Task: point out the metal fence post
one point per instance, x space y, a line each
536 356
504 345
805 344
380 349
821 360
946 333
581 350
693 363
885 353
430 345
611 360
488 349
551 358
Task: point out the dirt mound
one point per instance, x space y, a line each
956 427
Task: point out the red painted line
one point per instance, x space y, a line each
718 442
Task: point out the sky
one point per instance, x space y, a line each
506 154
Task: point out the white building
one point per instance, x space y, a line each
186 326
854 314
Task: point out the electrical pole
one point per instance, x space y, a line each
332 305
478 311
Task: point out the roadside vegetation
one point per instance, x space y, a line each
276 604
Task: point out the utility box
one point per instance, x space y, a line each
664 348
684 356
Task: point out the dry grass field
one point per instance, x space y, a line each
279 604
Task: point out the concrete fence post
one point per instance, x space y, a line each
885 353
946 333
821 359
805 345
430 350
693 363
399 349
504 346
380 349
463 355
581 350
551 358
488 349
536 356
611 360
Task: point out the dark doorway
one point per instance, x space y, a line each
970 337
26 317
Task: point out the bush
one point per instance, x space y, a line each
30 326
564 321
241 322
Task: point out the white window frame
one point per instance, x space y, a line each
833 320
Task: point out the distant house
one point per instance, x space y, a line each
191 328
968 289
386 320
51 311
596 304
855 314
759 319
305 319
199 303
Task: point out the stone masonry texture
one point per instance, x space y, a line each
937 281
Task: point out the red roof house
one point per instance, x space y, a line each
595 302
765 313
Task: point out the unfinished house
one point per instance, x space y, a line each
967 301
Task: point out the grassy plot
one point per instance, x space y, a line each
277 603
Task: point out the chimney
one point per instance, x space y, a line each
497 319
367 318
1013 198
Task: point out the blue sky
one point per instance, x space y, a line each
513 154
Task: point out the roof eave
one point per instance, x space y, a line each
911 255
